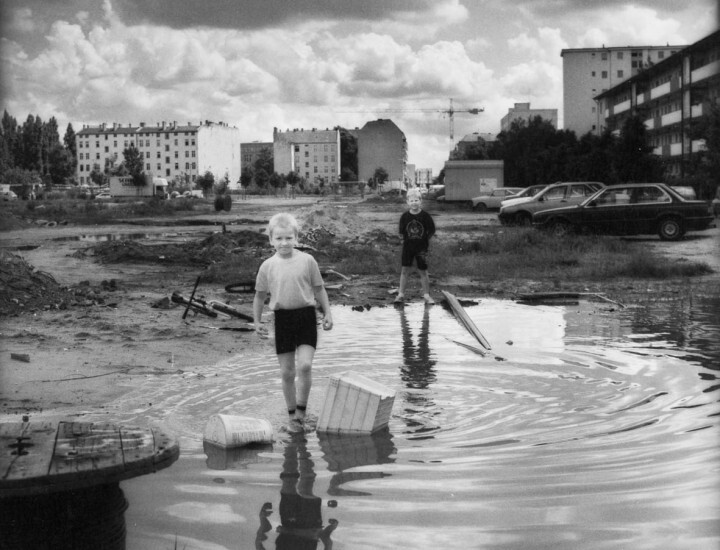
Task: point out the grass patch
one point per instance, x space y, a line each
91 212
531 254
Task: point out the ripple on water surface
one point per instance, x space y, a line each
579 427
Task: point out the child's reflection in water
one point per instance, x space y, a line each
300 511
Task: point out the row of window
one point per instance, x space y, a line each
604 74
126 143
188 154
634 53
148 167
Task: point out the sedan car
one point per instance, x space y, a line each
492 200
631 209
520 211
103 196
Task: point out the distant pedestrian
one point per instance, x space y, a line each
417 228
292 279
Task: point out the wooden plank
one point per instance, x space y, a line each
72 455
462 316
26 452
86 450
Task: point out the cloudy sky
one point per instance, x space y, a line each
259 64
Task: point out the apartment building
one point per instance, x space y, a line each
588 72
669 96
522 111
381 144
169 150
312 154
423 177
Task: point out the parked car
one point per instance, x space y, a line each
631 209
530 191
9 196
103 196
520 211
492 200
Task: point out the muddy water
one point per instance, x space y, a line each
586 426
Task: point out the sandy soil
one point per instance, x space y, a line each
118 323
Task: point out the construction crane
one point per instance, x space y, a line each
449 112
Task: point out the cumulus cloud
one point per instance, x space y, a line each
631 25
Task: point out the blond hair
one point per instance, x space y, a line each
284 220
414 193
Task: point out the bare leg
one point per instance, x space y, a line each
425 282
403 281
305 355
287 376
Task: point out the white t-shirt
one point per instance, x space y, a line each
290 281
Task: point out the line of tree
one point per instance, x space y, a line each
32 153
535 152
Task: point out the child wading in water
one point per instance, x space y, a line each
293 280
416 228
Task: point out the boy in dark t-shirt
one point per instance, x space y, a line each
416 228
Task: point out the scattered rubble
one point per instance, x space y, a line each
24 288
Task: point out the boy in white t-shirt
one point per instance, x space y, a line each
293 280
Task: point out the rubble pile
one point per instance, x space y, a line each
326 221
212 249
24 288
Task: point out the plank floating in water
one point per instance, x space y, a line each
47 457
462 316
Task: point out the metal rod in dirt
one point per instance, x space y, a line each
187 308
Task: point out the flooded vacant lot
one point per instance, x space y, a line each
585 426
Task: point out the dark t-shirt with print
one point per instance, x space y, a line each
417 229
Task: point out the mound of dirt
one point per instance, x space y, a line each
204 252
335 221
23 288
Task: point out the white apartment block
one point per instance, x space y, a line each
588 72
169 150
669 96
522 111
312 154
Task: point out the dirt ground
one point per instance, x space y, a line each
77 332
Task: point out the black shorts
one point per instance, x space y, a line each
295 327
414 252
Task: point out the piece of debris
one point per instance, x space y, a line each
464 319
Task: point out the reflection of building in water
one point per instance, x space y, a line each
344 452
301 525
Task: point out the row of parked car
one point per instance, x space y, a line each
590 206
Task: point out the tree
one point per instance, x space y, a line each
262 178
97 176
265 161
61 164
348 175
69 141
634 160
348 155
380 175
205 182
134 164
246 177
276 181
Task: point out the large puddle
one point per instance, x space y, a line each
586 426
